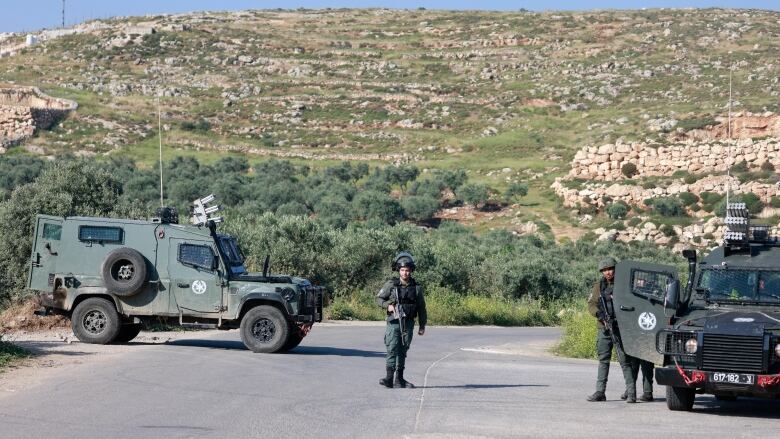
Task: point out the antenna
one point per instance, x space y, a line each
63 14
728 131
159 130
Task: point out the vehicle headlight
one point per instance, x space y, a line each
691 346
777 350
288 294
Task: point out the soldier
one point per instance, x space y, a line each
403 299
604 344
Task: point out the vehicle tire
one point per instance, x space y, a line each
293 340
728 398
127 333
264 329
124 272
95 321
680 398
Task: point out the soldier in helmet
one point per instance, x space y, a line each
404 301
604 344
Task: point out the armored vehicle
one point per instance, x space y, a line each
720 333
110 276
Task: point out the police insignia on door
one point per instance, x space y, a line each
199 287
647 321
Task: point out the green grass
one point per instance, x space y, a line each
579 333
448 308
11 354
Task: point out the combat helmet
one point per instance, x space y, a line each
607 263
403 259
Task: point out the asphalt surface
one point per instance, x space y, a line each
471 382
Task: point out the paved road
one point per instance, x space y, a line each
472 382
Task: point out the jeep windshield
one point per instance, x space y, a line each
730 285
235 259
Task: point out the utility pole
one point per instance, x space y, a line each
63 14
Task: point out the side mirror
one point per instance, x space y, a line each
689 254
672 298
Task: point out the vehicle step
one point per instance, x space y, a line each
199 325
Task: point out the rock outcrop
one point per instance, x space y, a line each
23 110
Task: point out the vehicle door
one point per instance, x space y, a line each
193 269
638 298
45 251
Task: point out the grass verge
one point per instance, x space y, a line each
448 308
10 354
579 333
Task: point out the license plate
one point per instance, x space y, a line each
732 378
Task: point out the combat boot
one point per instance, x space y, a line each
388 380
624 396
646 397
400 381
597 396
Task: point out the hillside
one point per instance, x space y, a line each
510 97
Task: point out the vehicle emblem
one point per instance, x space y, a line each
647 321
744 319
199 287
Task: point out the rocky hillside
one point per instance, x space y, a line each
511 97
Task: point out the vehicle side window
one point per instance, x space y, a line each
100 234
201 256
649 284
52 231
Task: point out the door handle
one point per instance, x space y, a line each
183 285
626 308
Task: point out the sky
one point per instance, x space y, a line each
30 15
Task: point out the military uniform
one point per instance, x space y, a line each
604 344
410 299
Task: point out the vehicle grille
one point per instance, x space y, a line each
738 353
673 342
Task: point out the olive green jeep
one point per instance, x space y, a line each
110 276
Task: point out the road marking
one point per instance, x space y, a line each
425 385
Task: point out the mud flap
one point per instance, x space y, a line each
639 293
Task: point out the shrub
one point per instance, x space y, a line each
629 170
690 179
633 222
374 205
668 230
767 166
668 206
420 207
687 198
739 167
617 210
774 201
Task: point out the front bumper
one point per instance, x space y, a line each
765 385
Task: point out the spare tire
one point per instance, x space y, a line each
124 272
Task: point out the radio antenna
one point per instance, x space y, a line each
728 132
159 130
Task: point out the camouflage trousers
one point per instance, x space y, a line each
604 348
396 350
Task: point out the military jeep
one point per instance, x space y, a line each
718 335
111 276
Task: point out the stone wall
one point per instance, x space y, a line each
606 161
594 192
23 110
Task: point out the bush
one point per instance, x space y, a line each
629 170
687 198
774 201
668 206
579 333
201 125
739 167
617 210
667 230
767 166
374 205
690 179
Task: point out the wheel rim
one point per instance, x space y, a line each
263 330
123 271
94 322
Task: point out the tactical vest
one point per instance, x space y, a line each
606 292
407 297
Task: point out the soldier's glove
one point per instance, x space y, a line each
391 301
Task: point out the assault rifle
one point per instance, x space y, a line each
609 324
400 315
